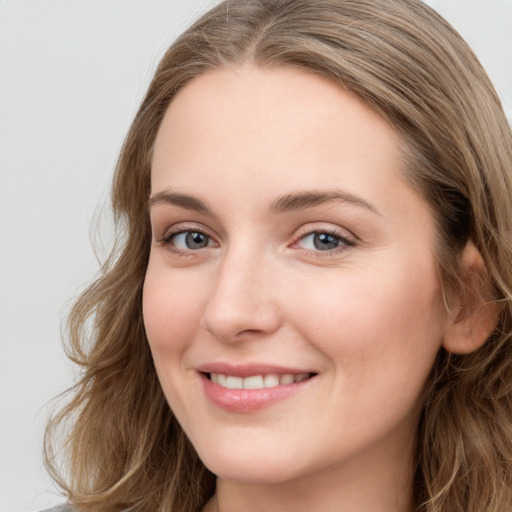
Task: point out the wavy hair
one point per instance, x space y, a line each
122 446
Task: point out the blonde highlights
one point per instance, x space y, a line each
125 449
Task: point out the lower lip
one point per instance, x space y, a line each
247 400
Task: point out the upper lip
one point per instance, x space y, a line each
248 369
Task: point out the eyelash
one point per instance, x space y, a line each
344 241
169 235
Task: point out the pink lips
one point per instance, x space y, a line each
246 400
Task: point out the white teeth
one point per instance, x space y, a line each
270 380
287 378
234 382
254 382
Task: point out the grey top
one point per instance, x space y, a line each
65 507
60 508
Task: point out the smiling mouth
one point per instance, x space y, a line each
271 380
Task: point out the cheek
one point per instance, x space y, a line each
171 310
376 325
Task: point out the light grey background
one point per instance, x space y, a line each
72 73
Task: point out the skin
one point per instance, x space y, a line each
366 316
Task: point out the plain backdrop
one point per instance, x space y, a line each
72 73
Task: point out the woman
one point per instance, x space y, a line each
310 309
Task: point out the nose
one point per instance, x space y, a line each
242 303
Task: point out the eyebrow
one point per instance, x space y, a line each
301 200
181 200
285 203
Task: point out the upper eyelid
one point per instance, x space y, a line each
313 227
183 227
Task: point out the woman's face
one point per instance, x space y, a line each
291 300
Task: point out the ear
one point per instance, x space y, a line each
477 313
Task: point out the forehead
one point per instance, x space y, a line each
274 129
255 102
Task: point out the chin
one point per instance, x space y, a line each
257 467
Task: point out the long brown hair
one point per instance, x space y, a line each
123 447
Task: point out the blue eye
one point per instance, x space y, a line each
189 240
323 241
